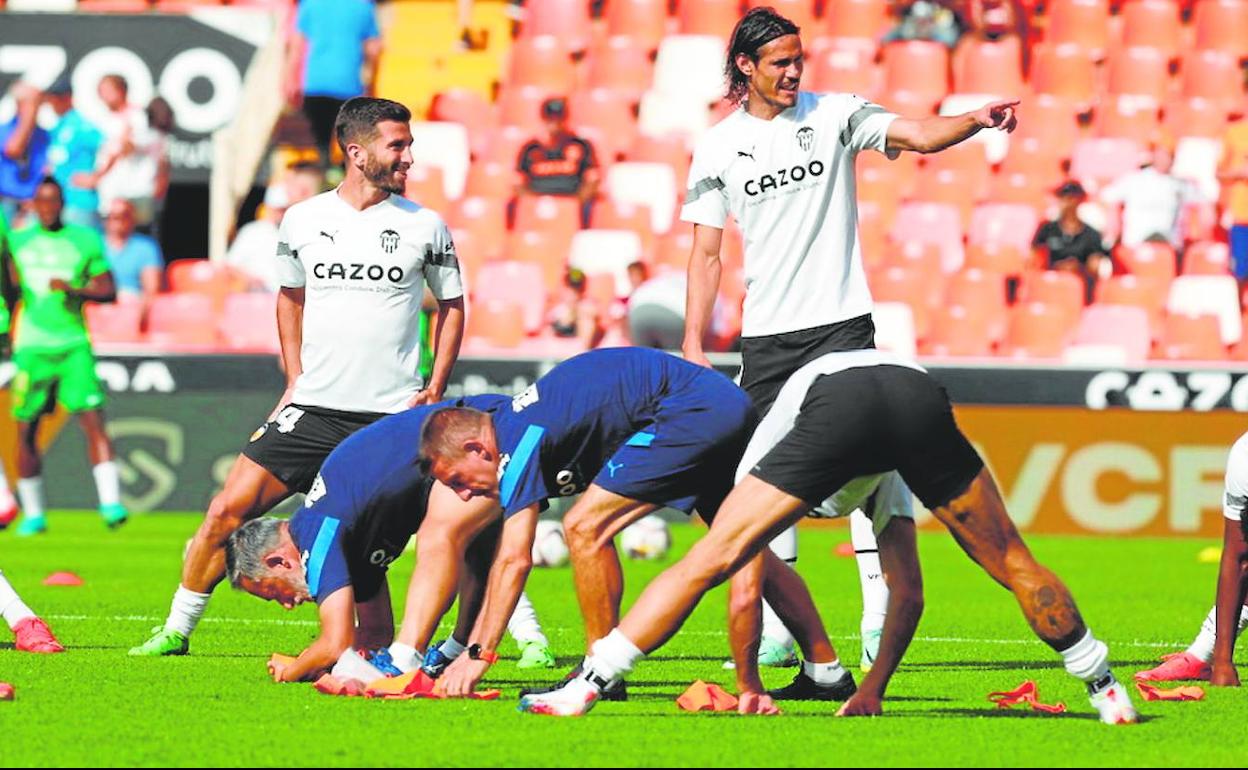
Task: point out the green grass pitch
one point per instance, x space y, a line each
96 706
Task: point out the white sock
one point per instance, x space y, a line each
4 483
107 483
30 494
774 628
524 625
451 648
785 545
351 665
1202 645
1087 659
870 574
187 608
824 673
12 608
405 657
613 656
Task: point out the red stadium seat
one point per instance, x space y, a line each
1148 293
1066 72
1000 258
247 323
1054 287
613 123
1026 189
917 257
497 322
118 322
546 250
464 106
861 19
670 150
674 248
1139 72
567 20
521 106
1195 117
800 12
1036 157
518 282
933 223
1150 259
709 17
559 216
1191 338
897 284
544 61
480 213
622 66
1152 23
1050 120
645 21
982 292
1011 224
182 320
968 160
1207 258
1129 117
989 67
1222 25
916 69
1037 330
609 215
490 179
505 142
1080 23
957 332
1099 161
1213 75
1121 326
199 276
845 70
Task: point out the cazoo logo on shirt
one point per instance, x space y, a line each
783 178
357 271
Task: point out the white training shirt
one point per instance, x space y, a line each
789 183
1236 499
365 274
881 496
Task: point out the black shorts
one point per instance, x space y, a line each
871 420
293 444
768 362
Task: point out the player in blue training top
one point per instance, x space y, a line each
629 429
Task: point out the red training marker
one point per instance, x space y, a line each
6 691
62 579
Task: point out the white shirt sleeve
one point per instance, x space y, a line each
866 125
706 201
442 266
1236 499
289 269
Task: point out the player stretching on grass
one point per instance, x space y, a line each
840 418
1216 641
783 166
58 268
353 263
31 634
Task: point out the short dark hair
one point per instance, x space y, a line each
117 80
358 118
51 180
755 29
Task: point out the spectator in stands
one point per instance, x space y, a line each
252 252
161 121
573 314
334 41
75 142
128 165
1068 243
925 20
1152 201
134 258
560 163
1233 175
23 151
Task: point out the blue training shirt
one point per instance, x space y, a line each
336 31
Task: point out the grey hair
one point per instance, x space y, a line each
247 546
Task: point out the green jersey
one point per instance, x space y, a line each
4 307
52 320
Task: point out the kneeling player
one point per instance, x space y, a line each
1216 641
851 415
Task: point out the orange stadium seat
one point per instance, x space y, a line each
645 21
708 17
1064 71
497 322
1152 23
1191 338
1017 187
1217 295
1139 72
182 320
199 276
1120 326
845 70
968 160
469 255
989 67
896 284
860 19
995 257
425 186
602 109
1037 330
1011 224
464 106
1080 23
633 217
904 171
546 250
947 186
559 216
117 322
619 64
490 178
1099 161
1156 260
670 150
485 215
544 61
651 184
918 70
1128 117
567 20
917 257
1195 117
1144 292
1207 258
674 248
937 223
246 323
982 292
800 12
522 106
1222 25
511 281
1212 75
505 142
1054 287
1051 119
957 331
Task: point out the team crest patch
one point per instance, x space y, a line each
389 241
806 138
259 432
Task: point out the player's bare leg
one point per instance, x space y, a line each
250 491
103 467
978 521
30 480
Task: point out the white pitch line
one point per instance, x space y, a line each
280 622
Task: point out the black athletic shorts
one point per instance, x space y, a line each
768 362
871 420
293 444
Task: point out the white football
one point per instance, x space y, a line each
647 538
550 549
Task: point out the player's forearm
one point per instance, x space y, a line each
937 133
905 607
745 624
447 339
429 595
704 277
1230 596
506 582
99 289
290 331
320 656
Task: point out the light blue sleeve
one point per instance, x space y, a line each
370 24
149 254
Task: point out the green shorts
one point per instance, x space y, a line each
47 377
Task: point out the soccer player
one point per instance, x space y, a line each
31 634
58 267
842 417
783 166
1215 643
353 264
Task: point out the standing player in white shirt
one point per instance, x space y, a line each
353 264
783 166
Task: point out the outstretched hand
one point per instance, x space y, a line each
861 705
1000 115
757 703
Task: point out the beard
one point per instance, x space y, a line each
382 176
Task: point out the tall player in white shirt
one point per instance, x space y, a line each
353 264
783 166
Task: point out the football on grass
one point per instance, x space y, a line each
647 538
550 549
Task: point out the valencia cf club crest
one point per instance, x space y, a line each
806 138
389 241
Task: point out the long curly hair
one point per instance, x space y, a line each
755 29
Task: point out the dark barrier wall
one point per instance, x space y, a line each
1075 450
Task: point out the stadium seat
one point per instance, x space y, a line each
894 328
1141 73
845 70
982 293
548 251
463 106
856 19
521 106
957 331
674 248
690 67
1050 119
933 223
1152 23
800 12
490 179
518 282
199 276
606 251
1015 187
1129 117
969 161
1195 117
544 61
182 321
1096 162
558 215
1222 25
611 117
1037 330
1011 224
567 20
709 17
916 70
948 187
505 142
118 322
426 187
622 66
444 146
645 21
246 323
904 171
1191 338
485 215
1217 295
1207 258
1066 72
469 254
1121 326
665 114
896 284
668 150
989 67
920 257
996 257
1213 75
1054 287
497 322
1151 259
650 184
1082 24
1144 292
